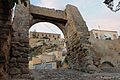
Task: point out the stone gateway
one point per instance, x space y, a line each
71 23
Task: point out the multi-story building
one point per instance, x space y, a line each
104 34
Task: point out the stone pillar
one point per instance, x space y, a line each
78 46
18 63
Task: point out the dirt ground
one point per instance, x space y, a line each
67 74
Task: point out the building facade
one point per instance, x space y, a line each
39 38
43 61
42 35
104 34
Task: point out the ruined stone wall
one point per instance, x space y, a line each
14 43
79 53
18 63
75 31
5 37
107 50
18 67
76 34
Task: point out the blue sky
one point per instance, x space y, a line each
94 12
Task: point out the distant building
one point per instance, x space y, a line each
104 34
43 61
49 59
38 38
42 35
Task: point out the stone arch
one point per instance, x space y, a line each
60 26
69 21
107 59
50 38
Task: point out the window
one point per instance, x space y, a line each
42 35
49 39
109 38
58 36
49 35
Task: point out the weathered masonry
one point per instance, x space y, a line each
5 36
69 21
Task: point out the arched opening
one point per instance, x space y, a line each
107 64
73 27
47 46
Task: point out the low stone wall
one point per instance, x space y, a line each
107 50
80 55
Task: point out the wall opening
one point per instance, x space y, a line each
47 46
107 64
